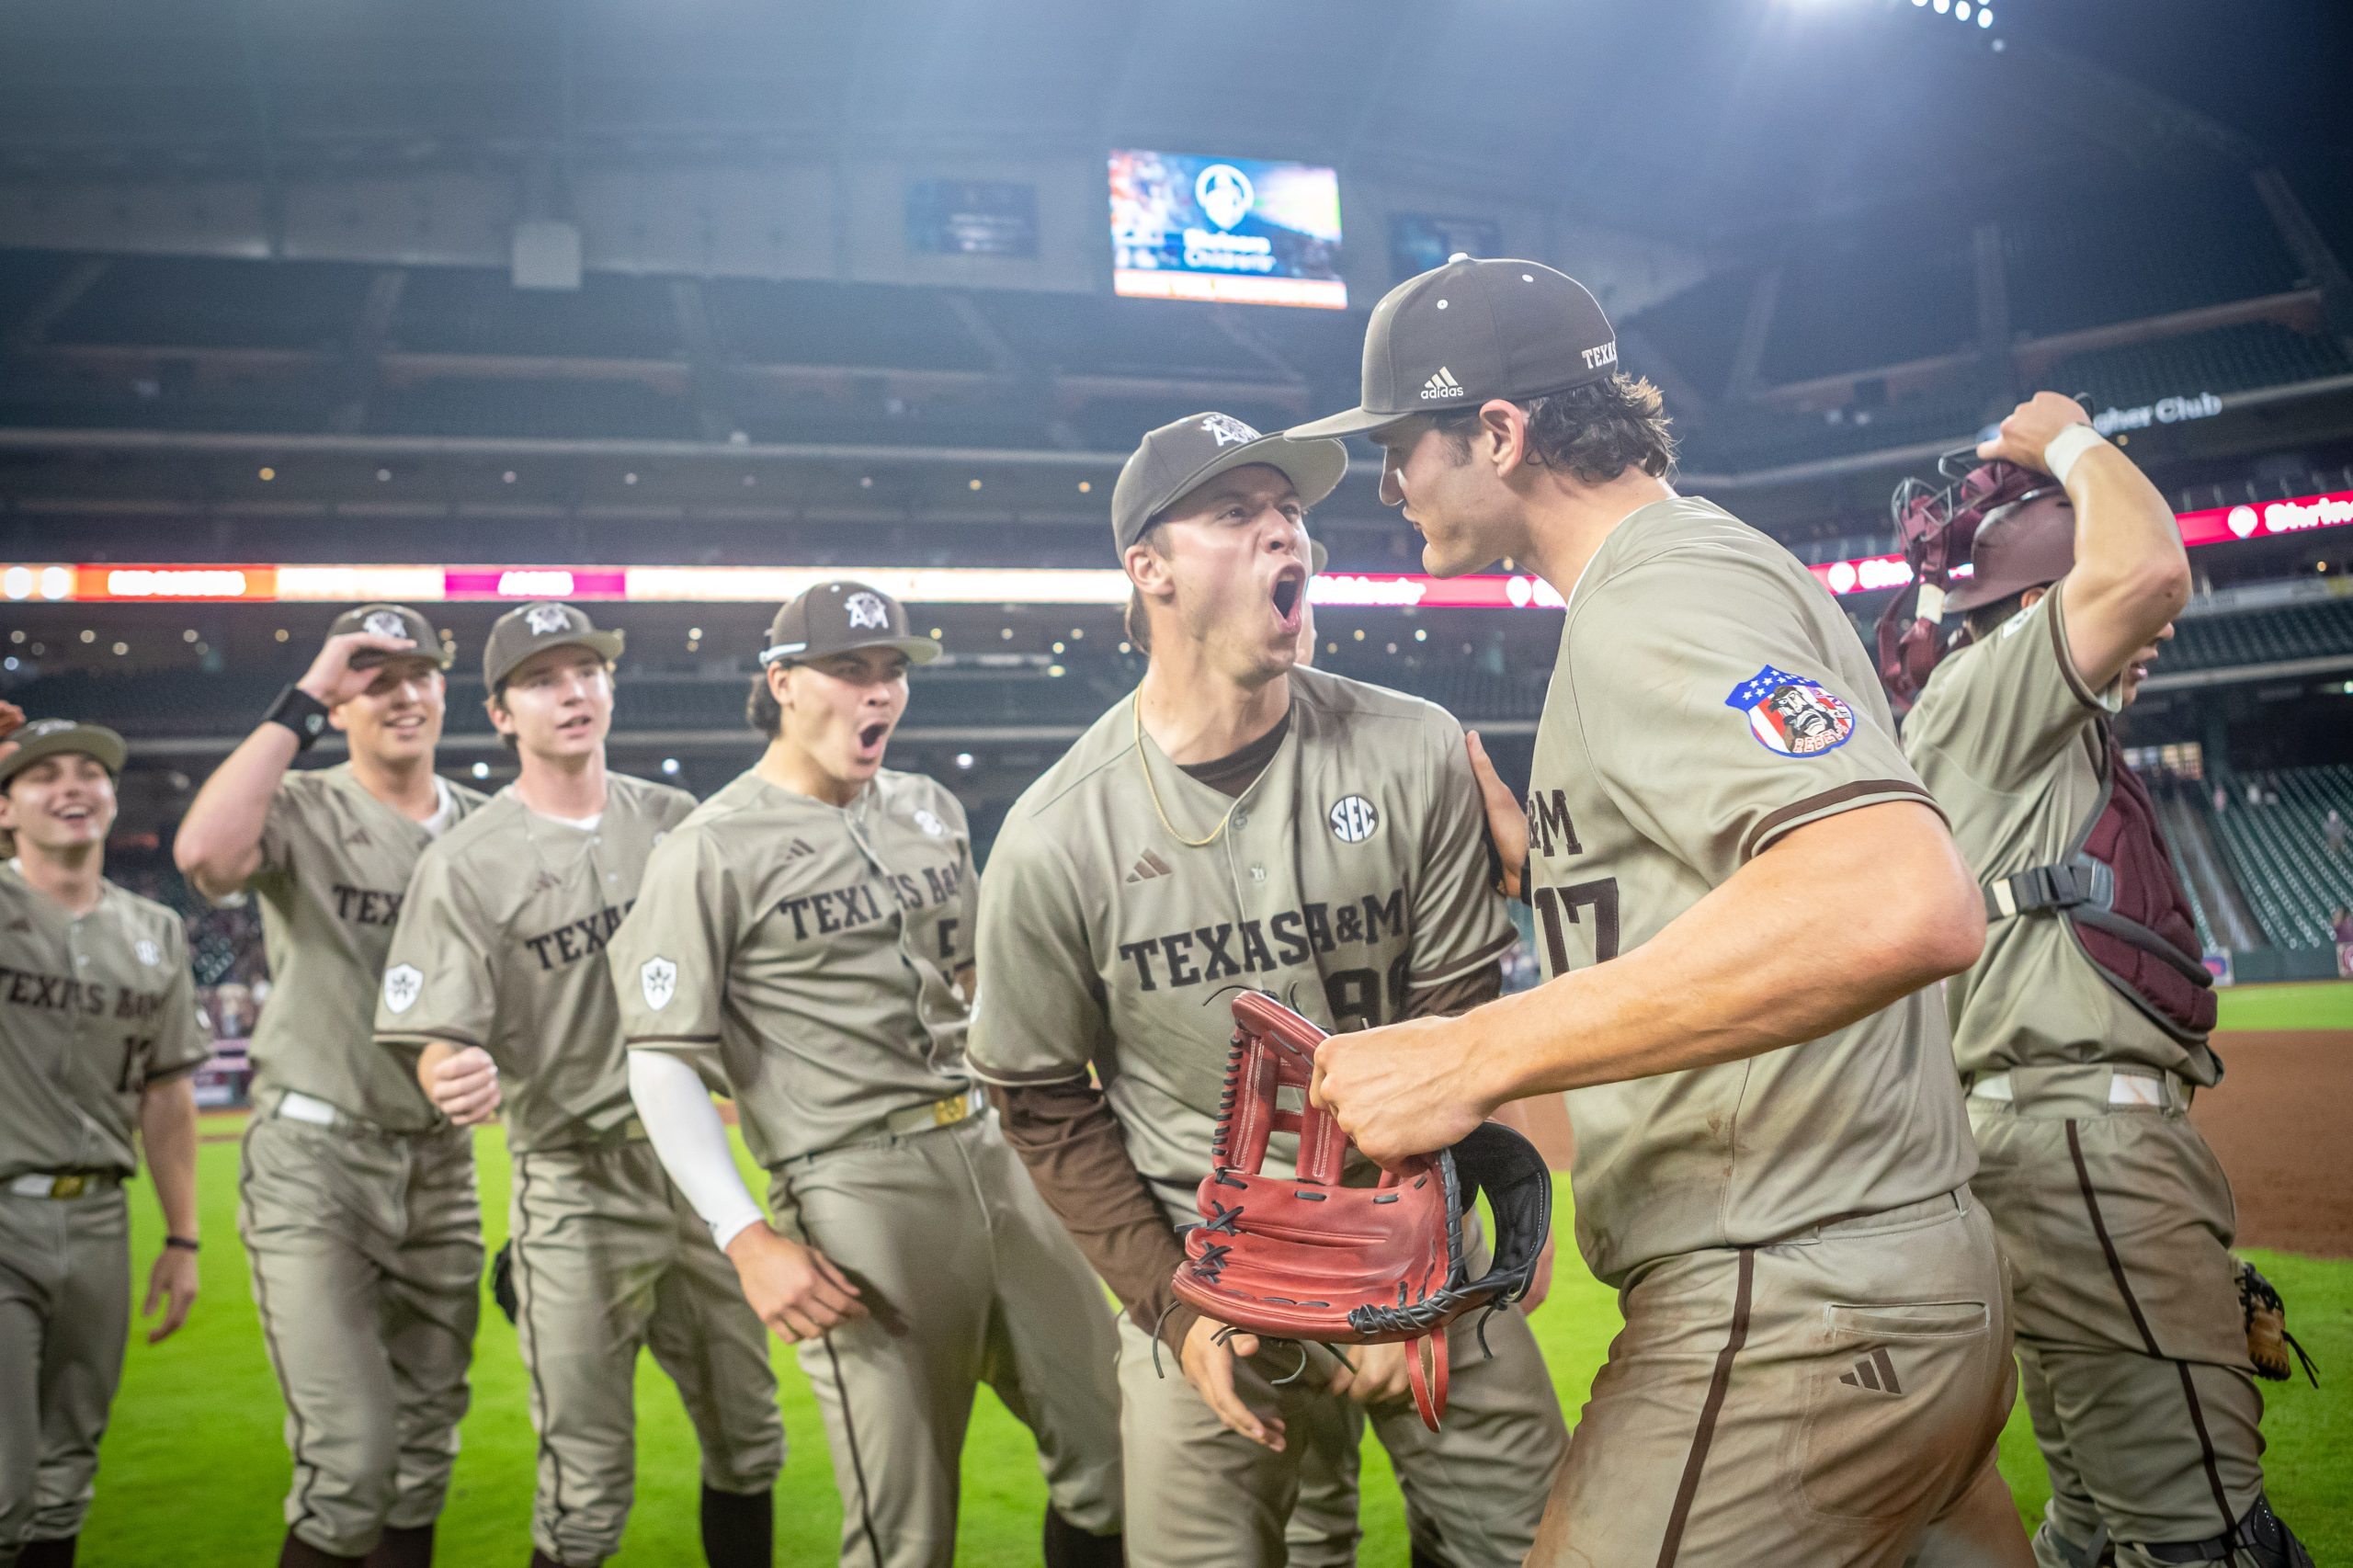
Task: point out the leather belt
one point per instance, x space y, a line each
62 1184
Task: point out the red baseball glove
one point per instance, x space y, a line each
1303 1258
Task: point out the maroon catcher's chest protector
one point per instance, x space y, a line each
2119 894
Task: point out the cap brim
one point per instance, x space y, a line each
1354 422
918 649
96 742
1314 468
606 645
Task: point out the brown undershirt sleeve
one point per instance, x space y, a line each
1459 995
1068 1137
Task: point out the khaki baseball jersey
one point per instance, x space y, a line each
500 945
2008 736
334 865
1710 697
93 1009
1353 871
808 952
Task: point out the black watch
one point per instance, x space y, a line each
300 712
184 1244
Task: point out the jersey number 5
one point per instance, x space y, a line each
1559 906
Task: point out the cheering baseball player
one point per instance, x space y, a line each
358 1205
496 990
2081 1033
1740 888
805 940
1244 821
98 1032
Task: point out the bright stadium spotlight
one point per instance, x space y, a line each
1961 9
482 770
1941 5
670 766
1984 17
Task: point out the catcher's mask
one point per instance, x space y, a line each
1305 1257
1938 527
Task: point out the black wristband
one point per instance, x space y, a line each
300 712
1526 893
184 1244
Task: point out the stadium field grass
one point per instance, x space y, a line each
2321 1005
194 1468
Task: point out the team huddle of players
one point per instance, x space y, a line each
973 1098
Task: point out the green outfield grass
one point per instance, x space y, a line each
194 1468
2323 1004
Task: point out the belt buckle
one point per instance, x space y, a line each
949 1112
69 1185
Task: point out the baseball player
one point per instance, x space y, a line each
1737 910
99 1031
495 991
2081 1051
805 939
1242 820
358 1206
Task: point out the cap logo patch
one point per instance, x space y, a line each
403 983
1605 355
384 624
1442 384
658 978
1229 431
148 952
1792 715
42 727
543 620
1354 819
1224 193
866 613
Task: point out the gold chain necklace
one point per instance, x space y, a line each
1153 790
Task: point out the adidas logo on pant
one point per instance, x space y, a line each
1442 384
1873 1371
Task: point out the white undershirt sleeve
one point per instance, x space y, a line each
692 1142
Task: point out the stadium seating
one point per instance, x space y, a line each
2171 249
451 310
872 326
2225 359
1093 334
185 302
1698 329
2307 630
538 407
2276 853
1852 304
1738 437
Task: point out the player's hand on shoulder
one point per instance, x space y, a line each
1398 1090
2030 428
172 1283
795 1290
1506 818
464 1087
1208 1362
331 679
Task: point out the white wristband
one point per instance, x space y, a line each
2067 447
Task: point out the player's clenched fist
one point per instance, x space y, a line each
795 1291
331 677
1400 1090
2030 428
463 1085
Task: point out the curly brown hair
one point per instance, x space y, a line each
1595 431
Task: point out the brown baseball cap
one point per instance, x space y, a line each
1184 454
52 737
2031 543
839 618
534 629
393 620
1456 335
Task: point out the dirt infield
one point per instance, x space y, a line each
2278 1125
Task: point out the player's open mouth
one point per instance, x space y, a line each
1290 592
869 736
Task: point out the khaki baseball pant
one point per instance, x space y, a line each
366 1250
1832 1401
64 1314
2117 1224
969 1279
611 1260
1202 1496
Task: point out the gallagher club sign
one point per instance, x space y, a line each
2164 411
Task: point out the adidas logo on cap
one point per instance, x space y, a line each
1442 384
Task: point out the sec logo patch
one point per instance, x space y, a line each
1354 819
1792 715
